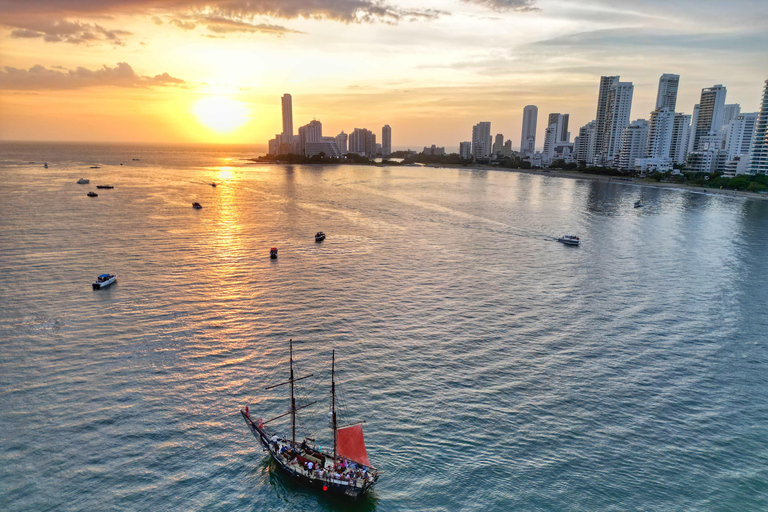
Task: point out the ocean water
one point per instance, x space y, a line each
496 369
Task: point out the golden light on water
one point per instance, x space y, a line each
220 113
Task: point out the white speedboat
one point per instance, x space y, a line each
104 280
569 240
83 181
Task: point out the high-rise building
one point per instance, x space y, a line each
692 131
498 144
507 149
362 142
738 135
386 140
585 146
528 137
660 129
730 111
710 114
312 132
758 156
618 108
287 118
550 143
606 83
341 142
634 144
465 150
680 138
481 140
561 131
666 97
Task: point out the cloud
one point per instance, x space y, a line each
505 5
40 78
51 20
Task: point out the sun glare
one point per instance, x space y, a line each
221 114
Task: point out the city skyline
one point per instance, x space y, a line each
154 71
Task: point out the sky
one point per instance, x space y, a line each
178 71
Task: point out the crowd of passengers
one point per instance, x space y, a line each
349 471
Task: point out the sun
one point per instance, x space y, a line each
220 113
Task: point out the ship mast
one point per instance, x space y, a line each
293 402
333 402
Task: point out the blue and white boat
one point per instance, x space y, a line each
104 280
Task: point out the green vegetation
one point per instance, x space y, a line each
349 159
451 159
748 182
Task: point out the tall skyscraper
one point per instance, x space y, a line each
692 134
618 108
362 142
287 118
730 111
758 156
680 138
660 128
528 137
498 144
606 82
710 114
386 140
634 144
738 135
561 129
666 97
481 140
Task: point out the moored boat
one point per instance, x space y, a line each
196 206
104 280
344 471
569 240
105 186
45 165
83 181
92 194
273 253
95 167
319 236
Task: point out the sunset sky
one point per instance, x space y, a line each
214 71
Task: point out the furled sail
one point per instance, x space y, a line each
351 445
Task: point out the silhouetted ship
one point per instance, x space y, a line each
346 470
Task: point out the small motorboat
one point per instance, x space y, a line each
569 240
104 280
273 253
83 181
105 186
196 206
95 167
45 165
92 194
135 159
638 204
319 236
213 184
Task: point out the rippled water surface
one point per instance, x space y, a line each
495 368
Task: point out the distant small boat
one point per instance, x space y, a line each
638 204
105 186
213 184
196 206
83 181
104 280
273 253
319 236
569 240
45 165
94 167
135 159
92 194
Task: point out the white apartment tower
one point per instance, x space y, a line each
710 114
584 149
528 137
606 82
386 140
481 140
617 112
730 111
681 130
634 144
758 156
666 97
561 131
287 117
738 135
660 131
465 150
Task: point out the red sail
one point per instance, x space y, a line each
350 444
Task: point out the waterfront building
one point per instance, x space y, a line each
660 129
758 156
584 144
666 97
618 108
681 129
326 146
634 144
465 150
362 142
287 103
481 140
311 132
498 144
550 142
528 137
507 149
710 114
433 151
694 120
738 135
341 142
606 83
386 140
